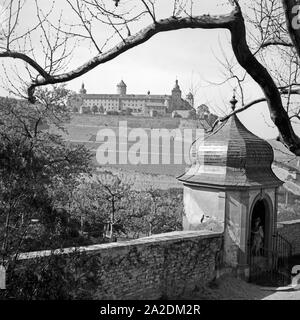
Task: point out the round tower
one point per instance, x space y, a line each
121 88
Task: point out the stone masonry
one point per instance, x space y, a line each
166 265
290 230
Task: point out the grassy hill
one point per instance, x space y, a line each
83 129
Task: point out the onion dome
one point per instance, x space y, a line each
231 156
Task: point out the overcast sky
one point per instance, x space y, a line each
191 56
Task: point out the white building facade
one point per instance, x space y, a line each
143 104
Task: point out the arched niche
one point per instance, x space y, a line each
262 208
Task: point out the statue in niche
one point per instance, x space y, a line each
258 237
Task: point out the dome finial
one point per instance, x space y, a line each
233 101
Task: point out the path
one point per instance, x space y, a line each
284 295
230 288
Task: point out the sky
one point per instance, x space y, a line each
189 55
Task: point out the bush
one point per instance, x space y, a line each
177 115
95 109
112 113
55 277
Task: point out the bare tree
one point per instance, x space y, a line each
126 20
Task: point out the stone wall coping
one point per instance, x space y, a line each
163 237
288 222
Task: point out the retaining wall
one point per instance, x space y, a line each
165 265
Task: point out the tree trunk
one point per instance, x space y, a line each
262 77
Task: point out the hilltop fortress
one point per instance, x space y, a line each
139 104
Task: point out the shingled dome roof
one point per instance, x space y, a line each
231 156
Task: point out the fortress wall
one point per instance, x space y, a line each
132 122
290 230
190 124
164 265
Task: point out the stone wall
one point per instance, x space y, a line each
132 121
165 265
290 230
190 124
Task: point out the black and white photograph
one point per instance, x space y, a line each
149 152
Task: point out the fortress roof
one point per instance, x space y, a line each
124 97
121 84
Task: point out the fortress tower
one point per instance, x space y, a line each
121 88
176 96
120 101
82 90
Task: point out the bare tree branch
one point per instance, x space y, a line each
245 107
27 59
276 43
205 22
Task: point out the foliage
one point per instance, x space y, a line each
107 202
290 212
177 115
128 111
49 200
58 276
192 114
101 109
86 110
33 163
112 113
95 109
